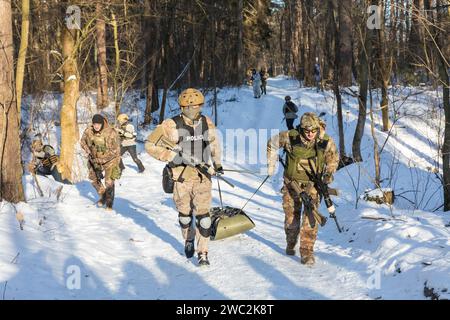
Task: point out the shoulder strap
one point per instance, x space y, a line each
178 121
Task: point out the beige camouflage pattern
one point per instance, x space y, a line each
168 130
193 197
296 225
107 159
292 206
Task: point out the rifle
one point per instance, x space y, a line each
323 191
201 166
313 215
96 167
37 184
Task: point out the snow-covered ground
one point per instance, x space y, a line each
136 251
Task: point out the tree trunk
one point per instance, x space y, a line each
443 42
364 55
345 40
102 72
384 71
22 53
117 64
240 51
333 5
69 126
151 37
11 188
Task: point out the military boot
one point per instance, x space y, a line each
290 249
189 248
308 260
109 197
101 202
203 259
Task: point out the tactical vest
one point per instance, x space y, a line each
193 141
99 144
297 158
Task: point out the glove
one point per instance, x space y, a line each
327 178
218 168
270 170
176 160
53 159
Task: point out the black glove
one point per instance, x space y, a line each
218 169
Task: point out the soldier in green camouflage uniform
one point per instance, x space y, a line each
102 145
307 145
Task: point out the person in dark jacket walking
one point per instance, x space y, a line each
290 112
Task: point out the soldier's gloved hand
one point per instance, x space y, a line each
327 178
219 169
177 159
270 170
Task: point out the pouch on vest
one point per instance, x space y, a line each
167 181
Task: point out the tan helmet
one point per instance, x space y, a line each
309 121
37 145
122 118
191 97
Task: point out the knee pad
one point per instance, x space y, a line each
184 220
204 225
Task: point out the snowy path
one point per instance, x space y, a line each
136 251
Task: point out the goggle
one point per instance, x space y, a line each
306 131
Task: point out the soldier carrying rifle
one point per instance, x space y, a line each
188 143
310 153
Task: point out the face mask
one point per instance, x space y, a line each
192 113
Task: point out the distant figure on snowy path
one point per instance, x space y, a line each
127 136
290 112
264 76
317 74
256 78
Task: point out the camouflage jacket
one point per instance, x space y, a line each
168 131
103 146
282 140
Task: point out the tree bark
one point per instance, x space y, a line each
364 54
102 68
69 126
442 54
240 51
22 53
345 40
11 188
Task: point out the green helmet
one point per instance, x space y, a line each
309 121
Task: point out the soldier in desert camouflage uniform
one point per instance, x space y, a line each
102 145
194 135
307 145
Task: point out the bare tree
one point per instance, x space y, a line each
20 70
102 88
69 126
11 188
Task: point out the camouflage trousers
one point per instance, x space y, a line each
193 199
106 191
292 205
